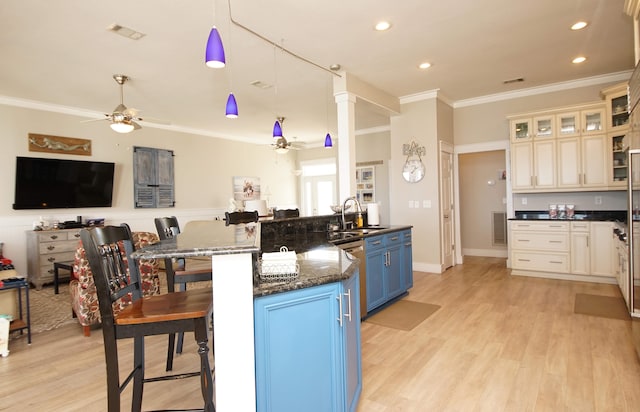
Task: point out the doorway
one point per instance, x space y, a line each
319 189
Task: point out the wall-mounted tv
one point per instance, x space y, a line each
58 183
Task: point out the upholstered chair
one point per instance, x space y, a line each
84 300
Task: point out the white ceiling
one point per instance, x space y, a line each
61 53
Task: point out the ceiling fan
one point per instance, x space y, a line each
123 119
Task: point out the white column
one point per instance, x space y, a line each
235 388
346 106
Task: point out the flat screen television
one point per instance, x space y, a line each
58 184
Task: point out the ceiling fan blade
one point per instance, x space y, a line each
136 126
152 120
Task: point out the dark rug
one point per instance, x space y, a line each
403 314
612 307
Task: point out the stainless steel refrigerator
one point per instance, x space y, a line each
630 286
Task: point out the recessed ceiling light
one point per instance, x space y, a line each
383 25
424 65
579 59
579 25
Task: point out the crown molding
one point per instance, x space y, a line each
549 88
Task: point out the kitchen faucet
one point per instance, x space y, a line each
344 223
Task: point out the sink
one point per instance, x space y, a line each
364 230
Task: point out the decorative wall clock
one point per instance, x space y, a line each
413 170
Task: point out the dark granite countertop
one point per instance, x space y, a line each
584 215
320 262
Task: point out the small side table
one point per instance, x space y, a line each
20 324
56 278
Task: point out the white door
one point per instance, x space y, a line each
446 208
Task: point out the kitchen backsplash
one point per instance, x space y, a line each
610 200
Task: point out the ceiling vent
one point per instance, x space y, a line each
518 80
125 32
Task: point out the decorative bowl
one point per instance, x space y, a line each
338 208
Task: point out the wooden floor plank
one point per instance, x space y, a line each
498 343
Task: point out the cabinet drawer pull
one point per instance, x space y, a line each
555 261
524 240
348 295
408 244
524 260
76 235
53 237
50 247
51 259
394 238
377 242
555 241
555 226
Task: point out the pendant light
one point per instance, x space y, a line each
214 55
328 144
232 107
277 130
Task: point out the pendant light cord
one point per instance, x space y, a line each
289 52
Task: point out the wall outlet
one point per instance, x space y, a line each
426 204
598 200
416 204
410 204
524 200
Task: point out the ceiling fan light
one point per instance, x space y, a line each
232 107
215 51
122 127
277 130
327 141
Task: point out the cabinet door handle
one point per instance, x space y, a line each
348 295
339 297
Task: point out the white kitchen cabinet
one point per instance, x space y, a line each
602 249
521 129
541 246
533 165
592 121
582 162
568 124
618 150
580 251
617 107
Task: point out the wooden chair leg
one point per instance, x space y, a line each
138 375
113 378
170 349
206 378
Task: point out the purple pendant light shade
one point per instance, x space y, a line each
215 52
277 130
327 141
232 107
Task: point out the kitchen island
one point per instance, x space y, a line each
251 320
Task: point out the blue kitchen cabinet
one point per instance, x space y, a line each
376 257
389 268
307 345
407 259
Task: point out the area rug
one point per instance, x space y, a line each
403 314
48 310
612 307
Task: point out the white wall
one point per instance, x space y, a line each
204 168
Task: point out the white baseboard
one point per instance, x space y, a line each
427 267
498 253
565 276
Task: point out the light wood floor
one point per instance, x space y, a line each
498 343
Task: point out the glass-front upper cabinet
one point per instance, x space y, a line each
568 124
617 98
543 126
520 129
592 121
